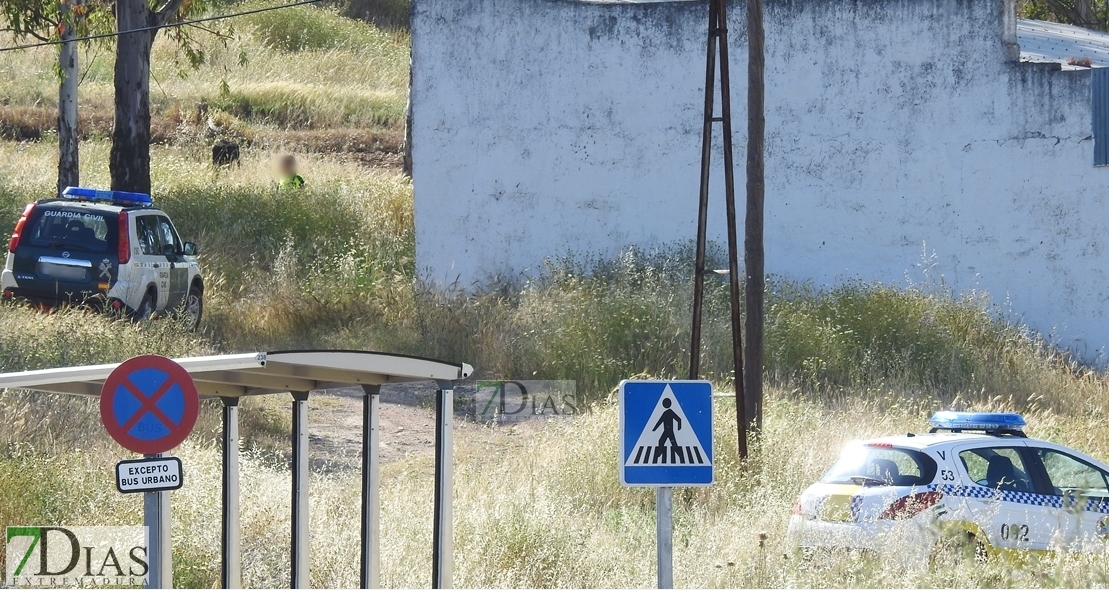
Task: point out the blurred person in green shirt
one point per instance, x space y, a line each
289 176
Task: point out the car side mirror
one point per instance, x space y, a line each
191 249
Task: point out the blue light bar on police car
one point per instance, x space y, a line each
122 198
988 421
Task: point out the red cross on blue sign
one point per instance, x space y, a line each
149 404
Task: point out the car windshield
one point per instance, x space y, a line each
881 465
74 229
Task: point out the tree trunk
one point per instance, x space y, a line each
1085 12
1089 16
69 171
130 155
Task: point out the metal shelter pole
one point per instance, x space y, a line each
231 575
718 34
300 569
156 518
442 550
370 571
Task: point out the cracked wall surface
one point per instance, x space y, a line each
903 143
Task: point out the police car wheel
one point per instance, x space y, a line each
955 551
194 307
146 308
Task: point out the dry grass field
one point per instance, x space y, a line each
332 266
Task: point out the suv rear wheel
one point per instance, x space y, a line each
146 308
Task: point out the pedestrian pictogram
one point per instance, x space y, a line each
666 433
670 440
149 404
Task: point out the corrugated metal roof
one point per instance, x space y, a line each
256 373
1046 42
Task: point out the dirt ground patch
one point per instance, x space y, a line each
407 424
370 148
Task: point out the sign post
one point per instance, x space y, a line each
664 536
665 441
149 405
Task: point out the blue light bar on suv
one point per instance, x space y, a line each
121 198
990 422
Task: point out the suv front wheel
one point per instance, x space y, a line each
194 307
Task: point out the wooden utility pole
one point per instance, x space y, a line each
718 35
753 234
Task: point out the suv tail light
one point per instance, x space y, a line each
14 242
124 239
911 505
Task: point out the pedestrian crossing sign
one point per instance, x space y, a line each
666 433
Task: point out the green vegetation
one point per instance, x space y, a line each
275 75
1090 14
391 14
333 266
307 27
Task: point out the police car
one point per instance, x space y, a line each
103 247
975 483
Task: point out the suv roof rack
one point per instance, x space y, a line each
992 423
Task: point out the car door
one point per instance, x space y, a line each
149 258
1081 491
1001 496
176 265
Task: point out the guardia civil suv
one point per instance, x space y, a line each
974 482
100 248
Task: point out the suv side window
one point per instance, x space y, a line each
171 244
157 236
1066 473
147 228
1000 468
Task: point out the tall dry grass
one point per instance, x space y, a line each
333 266
546 510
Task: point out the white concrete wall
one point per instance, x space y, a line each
899 133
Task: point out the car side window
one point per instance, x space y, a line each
149 241
171 244
877 465
1000 468
891 465
1069 474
